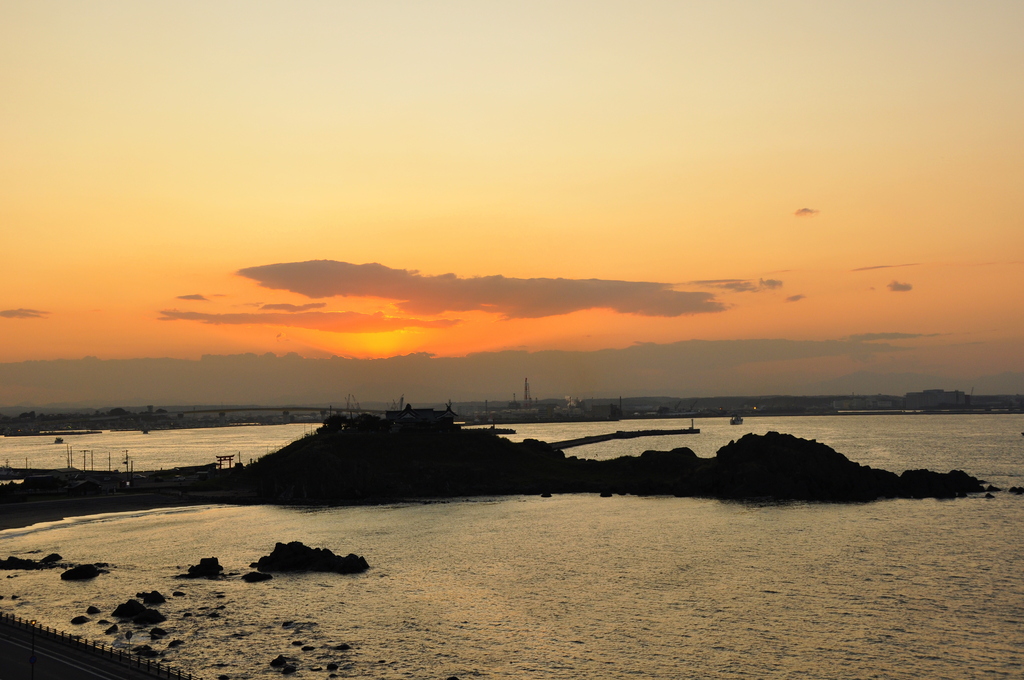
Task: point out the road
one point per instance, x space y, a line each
57 660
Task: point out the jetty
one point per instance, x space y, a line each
620 434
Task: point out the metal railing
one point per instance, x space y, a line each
153 668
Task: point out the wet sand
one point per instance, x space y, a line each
16 515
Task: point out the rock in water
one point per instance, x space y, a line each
279 661
79 620
295 556
255 577
148 616
13 562
129 609
783 466
208 567
152 597
80 573
51 558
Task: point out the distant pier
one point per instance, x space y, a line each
633 434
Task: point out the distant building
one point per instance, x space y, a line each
609 411
864 403
412 419
917 401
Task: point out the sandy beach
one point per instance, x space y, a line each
16 515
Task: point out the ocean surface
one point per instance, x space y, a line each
578 586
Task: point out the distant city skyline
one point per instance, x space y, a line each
763 197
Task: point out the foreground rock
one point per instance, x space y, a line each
81 573
148 617
208 567
13 562
129 609
295 556
256 577
152 597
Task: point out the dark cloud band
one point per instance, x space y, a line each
740 285
335 322
23 314
416 293
883 266
285 307
897 287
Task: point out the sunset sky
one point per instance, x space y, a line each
369 179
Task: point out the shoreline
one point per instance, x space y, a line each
20 515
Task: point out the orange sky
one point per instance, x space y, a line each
151 152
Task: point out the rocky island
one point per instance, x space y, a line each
346 466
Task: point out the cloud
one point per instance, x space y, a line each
806 212
897 287
194 296
285 307
884 266
334 322
871 337
23 314
740 285
795 298
513 298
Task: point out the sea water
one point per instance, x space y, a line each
579 586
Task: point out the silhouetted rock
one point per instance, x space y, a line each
92 610
332 666
129 609
20 563
208 567
343 647
178 593
149 616
152 597
79 620
288 670
157 632
111 630
343 465
279 661
928 484
175 643
81 573
51 558
255 577
295 556
308 648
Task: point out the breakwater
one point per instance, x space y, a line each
620 434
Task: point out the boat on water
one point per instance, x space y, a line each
58 440
736 420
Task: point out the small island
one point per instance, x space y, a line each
348 462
